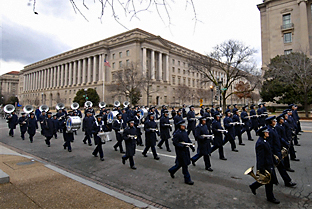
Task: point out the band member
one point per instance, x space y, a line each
118 126
228 108
124 116
41 120
165 128
12 122
234 108
293 124
129 135
102 111
32 126
137 123
23 125
276 148
98 126
87 125
265 162
202 110
230 135
203 141
264 110
246 121
56 125
253 118
209 119
218 141
61 119
173 112
37 113
163 109
184 111
191 121
238 129
212 111
48 128
90 110
177 119
288 129
182 153
296 117
261 116
150 128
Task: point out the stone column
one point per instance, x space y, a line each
84 69
24 83
144 61
66 75
51 77
54 76
167 68
37 80
101 63
75 73
152 64
58 76
94 68
304 33
89 70
43 79
160 66
62 76
79 73
70 72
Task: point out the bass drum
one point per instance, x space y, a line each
73 123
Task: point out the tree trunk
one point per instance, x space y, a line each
306 104
223 101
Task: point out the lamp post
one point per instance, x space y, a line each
85 90
211 89
220 85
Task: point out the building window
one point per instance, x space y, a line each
165 99
120 54
128 53
179 80
183 72
288 51
173 69
184 81
286 20
179 63
173 80
128 63
189 82
173 61
120 63
178 70
113 65
113 56
287 38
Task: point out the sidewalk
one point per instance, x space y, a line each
34 184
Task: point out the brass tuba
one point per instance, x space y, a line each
9 108
126 104
60 106
261 178
102 105
284 152
28 109
116 103
74 106
88 104
44 108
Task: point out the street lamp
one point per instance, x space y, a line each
85 90
211 88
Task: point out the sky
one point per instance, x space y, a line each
27 37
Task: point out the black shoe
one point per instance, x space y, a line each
49 145
64 146
156 158
55 137
252 190
171 174
223 158
250 139
169 150
90 144
234 150
159 147
122 152
242 144
189 182
193 162
133 167
94 155
23 138
123 160
141 145
31 141
275 201
298 134
84 142
115 148
102 159
290 184
209 169
295 159
69 150
290 170
297 144
144 154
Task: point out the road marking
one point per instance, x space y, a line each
157 153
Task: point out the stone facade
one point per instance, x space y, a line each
58 78
9 83
286 26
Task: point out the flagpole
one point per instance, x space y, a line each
103 82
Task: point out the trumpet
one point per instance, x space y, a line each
284 152
261 178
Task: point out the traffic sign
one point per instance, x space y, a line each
201 101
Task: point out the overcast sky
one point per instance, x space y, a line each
27 37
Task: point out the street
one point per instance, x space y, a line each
225 187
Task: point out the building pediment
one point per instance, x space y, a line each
287 10
158 41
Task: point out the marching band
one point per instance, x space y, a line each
278 133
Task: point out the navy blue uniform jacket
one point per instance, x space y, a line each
218 138
182 152
204 146
150 136
164 127
130 142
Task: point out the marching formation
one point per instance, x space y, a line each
274 147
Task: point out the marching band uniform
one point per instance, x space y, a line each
182 153
32 126
173 113
207 115
87 125
12 122
23 125
165 129
61 119
138 129
177 119
230 135
67 136
129 136
49 128
265 162
234 109
183 112
288 129
191 121
202 110
117 126
204 147
254 119
56 125
150 136
212 111
98 126
217 141
37 113
124 117
41 119
238 129
246 121
261 118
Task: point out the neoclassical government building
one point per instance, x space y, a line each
58 78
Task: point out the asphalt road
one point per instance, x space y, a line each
225 187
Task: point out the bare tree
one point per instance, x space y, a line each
243 90
232 59
183 92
